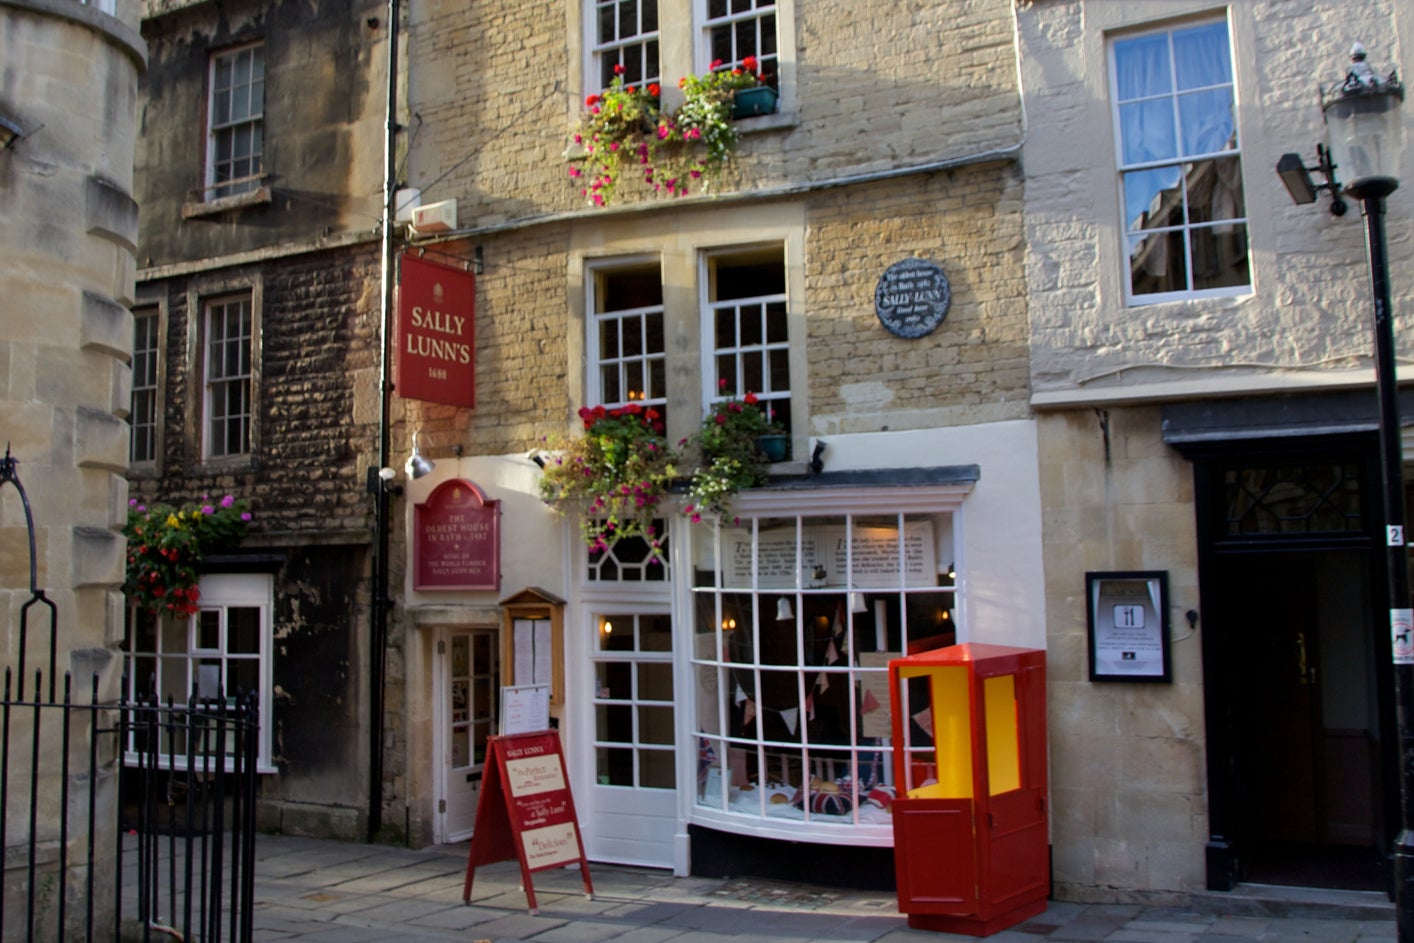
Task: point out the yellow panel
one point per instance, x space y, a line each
1003 737
952 732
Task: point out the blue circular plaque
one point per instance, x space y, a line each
912 298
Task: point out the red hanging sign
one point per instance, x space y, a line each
435 336
457 539
526 811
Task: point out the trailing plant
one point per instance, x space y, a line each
614 477
166 545
625 127
731 457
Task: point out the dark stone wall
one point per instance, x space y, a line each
312 515
323 124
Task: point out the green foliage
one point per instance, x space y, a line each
625 127
614 477
731 458
166 545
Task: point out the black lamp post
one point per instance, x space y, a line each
1363 126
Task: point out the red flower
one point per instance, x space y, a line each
749 63
592 100
654 90
750 399
618 70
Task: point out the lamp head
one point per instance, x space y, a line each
1363 127
417 466
10 132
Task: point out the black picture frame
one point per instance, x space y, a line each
1127 625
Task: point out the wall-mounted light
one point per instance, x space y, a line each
417 465
606 627
536 456
10 132
728 624
380 480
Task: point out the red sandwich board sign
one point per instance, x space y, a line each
526 812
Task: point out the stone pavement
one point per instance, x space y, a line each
336 892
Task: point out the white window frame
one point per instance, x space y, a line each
149 341
227 124
220 379
771 395
684 47
220 592
636 613
624 364
938 501
1186 227
708 52
642 44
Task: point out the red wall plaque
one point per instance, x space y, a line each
457 539
435 343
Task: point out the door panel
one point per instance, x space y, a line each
466 717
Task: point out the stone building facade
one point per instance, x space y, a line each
68 92
1220 433
892 142
257 319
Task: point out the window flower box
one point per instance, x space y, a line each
757 100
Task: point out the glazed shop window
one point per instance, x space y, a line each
626 338
221 651
236 122
796 619
748 339
625 34
633 701
1180 163
736 29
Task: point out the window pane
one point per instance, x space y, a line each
1201 56
1207 122
1142 67
1220 256
243 631
1156 263
1153 198
1215 191
1146 128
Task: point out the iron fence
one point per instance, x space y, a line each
126 820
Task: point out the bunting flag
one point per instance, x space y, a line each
832 654
738 696
871 703
924 719
809 707
789 717
749 713
822 683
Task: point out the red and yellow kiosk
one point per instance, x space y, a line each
971 851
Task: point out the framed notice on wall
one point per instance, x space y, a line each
1128 625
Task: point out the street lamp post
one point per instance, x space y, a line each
1363 124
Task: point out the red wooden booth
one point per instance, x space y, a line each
971 851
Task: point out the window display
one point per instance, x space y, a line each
795 620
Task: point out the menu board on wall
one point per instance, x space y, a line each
870 560
526 811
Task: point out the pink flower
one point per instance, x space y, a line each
245 515
207 509
227 501
696 518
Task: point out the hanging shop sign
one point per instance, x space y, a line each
912 298
435 348
457 539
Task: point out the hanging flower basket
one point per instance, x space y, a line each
166 545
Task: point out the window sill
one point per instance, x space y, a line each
772 122
225 204
179 764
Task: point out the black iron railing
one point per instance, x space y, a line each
127 820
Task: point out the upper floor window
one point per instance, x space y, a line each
736 29
142 420
749 343
236 125
1180 165
626 342
626 34
228 377
629 33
